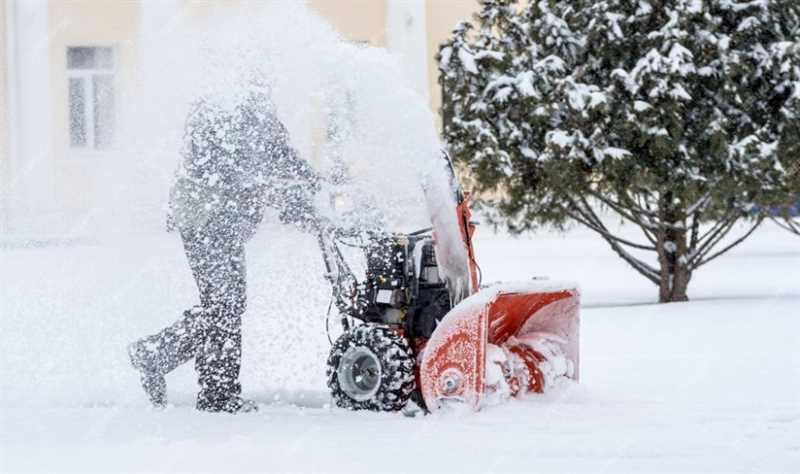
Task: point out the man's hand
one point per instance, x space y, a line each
302 213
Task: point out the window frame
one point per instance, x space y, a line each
87 78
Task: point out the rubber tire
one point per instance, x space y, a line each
397 368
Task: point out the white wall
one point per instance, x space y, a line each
30 190
3 118
407 37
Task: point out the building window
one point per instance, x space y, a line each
90 72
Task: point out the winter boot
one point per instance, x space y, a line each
153 382
157 355
234 404
218 360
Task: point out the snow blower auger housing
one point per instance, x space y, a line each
418 326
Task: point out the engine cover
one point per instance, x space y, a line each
403 285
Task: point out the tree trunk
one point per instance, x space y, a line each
676 290
672 249
675 275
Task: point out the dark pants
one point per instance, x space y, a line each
209 333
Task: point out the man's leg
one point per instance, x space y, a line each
169 348
156 355
219 267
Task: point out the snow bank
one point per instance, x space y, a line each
697 387
709 385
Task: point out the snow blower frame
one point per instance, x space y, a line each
418 327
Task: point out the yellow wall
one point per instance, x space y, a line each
365 20
100 22
442 16
355 20
87 23
77 173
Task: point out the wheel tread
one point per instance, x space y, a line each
394 351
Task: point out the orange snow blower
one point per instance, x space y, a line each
419 327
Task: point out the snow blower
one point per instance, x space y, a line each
419 327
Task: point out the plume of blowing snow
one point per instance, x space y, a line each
349 112
348 108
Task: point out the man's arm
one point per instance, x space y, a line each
295 193
292 182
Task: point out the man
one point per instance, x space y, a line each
234 164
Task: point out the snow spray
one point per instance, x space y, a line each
349 111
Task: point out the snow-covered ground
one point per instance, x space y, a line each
709 385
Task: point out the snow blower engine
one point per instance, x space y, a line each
418 327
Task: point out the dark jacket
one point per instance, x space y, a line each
234 164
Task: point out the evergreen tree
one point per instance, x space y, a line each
678 116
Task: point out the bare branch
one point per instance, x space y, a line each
788 224
638 265
732 245
653 219
725 220
589 218
694 233
644 204
699 205
709 244
718 231
636 207
602 230
617 207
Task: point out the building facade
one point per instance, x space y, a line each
64 65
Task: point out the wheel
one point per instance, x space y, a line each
371 367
